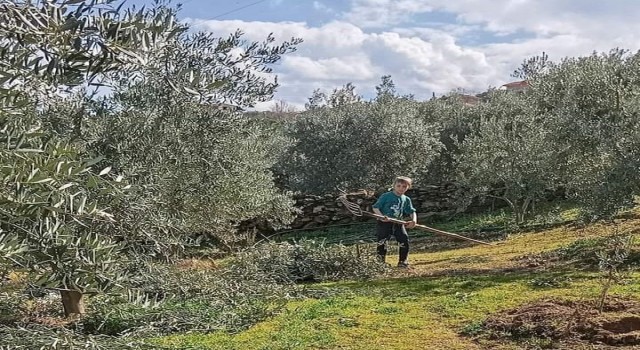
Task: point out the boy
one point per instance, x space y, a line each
394 204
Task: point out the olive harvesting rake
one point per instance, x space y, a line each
355 209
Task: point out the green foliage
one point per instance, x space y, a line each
590 104
453 120
205 169
354 144
52 204
575 129
386 89
581 250
55 199
611 262
203 314
472 329
66 43
40 337
361 232
533 67
252 287
507 154
550 282
339 97
161 300
308 261
589 252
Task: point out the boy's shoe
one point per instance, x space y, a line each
403 265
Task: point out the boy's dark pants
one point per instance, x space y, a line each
384 230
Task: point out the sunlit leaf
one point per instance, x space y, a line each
65 186
105 171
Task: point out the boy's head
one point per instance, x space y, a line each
401 184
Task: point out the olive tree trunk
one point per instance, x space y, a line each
72 302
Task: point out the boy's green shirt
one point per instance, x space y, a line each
394 206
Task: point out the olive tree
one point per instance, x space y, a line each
507 154
54 217
176 125
533 67
453 121
355 144
591 105
338 97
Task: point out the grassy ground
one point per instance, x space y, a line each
428 306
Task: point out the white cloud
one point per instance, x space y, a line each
335 38
438 64
373 39
339 52
350 68
269 106
541 17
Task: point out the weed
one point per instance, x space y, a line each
550 282
462 297
473 328
538 343
387 310
610 262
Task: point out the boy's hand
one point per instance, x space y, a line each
410 224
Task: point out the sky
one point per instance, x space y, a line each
426 46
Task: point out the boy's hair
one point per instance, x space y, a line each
404 179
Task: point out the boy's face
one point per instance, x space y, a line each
400 187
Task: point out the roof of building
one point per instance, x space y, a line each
227 106
469 99
516 85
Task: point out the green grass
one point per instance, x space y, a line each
394 314
445 294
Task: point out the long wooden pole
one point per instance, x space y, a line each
427 228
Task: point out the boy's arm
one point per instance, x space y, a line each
377 211
414 215
414 220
